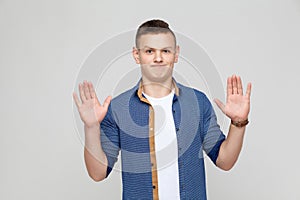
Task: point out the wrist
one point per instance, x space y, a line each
92 126
92 130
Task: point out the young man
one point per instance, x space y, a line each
160 126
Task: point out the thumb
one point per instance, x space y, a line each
107 102
220 105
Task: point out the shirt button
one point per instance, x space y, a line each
153 187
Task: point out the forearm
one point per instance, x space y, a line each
231 147
95 158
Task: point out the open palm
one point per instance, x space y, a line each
90 110
237 105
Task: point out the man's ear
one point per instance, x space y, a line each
177 54
136 56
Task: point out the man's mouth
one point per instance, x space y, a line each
158 65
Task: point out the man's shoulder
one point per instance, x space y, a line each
125 96
184 89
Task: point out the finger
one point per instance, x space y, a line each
239 85
234 84
81 92
248 92
220 105
86 90
107 102
229 86
92 90
77 102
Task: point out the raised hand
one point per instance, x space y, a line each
237 105
90 110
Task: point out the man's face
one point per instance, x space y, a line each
156 53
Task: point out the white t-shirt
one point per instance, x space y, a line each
165 147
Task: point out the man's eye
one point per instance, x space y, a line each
149 51
166 51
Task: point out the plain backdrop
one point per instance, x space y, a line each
44 43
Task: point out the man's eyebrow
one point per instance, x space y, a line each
147 47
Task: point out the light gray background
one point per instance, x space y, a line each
43 44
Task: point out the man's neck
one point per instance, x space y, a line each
156 89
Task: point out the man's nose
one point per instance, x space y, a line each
158 57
